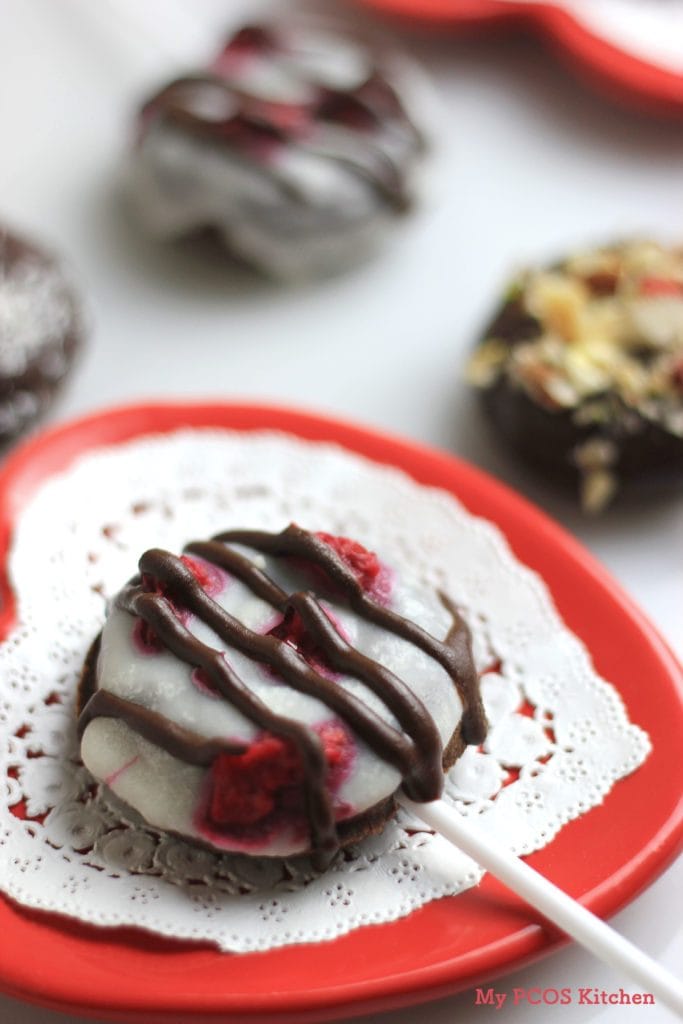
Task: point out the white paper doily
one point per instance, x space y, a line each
559 736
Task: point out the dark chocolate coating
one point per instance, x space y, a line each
647 455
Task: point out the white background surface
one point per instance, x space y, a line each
536 164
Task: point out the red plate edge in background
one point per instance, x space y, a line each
613 71
448 945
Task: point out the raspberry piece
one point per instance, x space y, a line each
338 748
145 639
252 39
654 286
292 631
245 787
364 564
250 43
207 576
288 119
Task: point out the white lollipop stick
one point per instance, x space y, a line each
554 904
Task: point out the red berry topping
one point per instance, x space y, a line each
286 119
145 639
247 789
364 564
252 39
338 747
244 787
292 631
250 43
655 286
207 575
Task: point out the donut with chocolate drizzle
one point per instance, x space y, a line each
308 652
296 147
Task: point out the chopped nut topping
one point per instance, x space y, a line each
596 453
557 301
610 322
487 362
598 487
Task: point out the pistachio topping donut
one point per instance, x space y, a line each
581 368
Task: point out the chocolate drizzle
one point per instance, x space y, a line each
179 742
414 749
364 127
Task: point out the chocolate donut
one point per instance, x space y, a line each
297 147
581 369
40 331
268 693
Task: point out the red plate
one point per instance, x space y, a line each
616 71
448 945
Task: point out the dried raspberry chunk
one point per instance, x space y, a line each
292 631
364 564
338 747
245 787
249 788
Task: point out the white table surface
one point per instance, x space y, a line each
537 164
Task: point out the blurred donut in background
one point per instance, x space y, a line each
298 147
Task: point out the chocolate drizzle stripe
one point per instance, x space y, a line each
241 568
182 743
459 642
